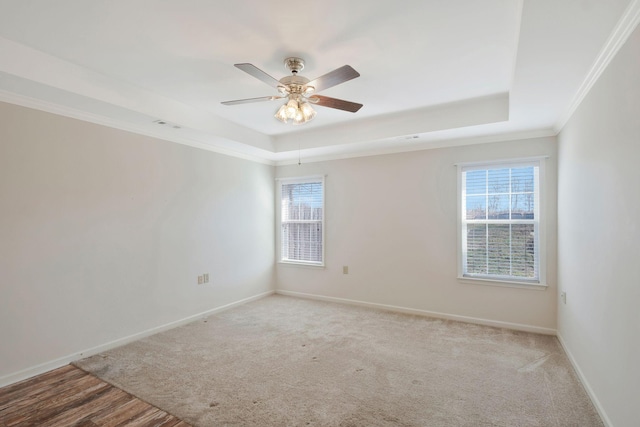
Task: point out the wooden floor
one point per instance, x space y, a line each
69 396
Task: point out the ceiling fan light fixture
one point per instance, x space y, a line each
299 118
307 111
282 114
298 112
292 108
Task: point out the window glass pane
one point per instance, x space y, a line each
522 206
302 201
498 206
499 249
476 207
522 179
523 250
498 181
476 249
302 241
476 182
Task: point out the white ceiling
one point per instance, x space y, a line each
433 72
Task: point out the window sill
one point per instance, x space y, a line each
503 283
301 264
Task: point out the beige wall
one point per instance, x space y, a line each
103 234
599 238
392 220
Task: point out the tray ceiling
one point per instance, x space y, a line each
432 72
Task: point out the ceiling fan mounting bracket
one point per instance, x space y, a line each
294 64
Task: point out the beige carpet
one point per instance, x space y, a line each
282 361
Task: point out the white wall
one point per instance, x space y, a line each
392 220
103 234
599 238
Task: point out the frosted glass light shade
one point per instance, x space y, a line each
307 111
292 108
299 118
282 114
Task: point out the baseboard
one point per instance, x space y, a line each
585 383
426 313
62 361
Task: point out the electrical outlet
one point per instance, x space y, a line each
563 296
345 269
200 280
206 277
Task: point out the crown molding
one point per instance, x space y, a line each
50 107
623 29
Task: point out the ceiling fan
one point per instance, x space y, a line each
300 91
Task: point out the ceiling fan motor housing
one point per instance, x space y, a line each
295 84
294 64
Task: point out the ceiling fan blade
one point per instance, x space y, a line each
336 103
249 100
258 74
334 78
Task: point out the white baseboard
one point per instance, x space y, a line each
62 361
585 383
466 319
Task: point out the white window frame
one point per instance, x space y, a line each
539 215
299 180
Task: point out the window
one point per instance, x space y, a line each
500 221
302 220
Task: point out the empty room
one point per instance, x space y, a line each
337 213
